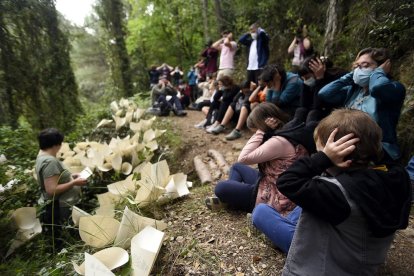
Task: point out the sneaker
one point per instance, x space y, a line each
201 124
211 127
234 134
179 112
218 129
214 204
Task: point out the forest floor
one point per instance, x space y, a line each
201 242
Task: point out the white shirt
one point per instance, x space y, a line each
253 57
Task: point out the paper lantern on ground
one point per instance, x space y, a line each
77 213
122 187
25 217
132 224
145 247
98 231
111 258
104 122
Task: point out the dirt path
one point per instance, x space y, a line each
201 242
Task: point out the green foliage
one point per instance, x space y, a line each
36 76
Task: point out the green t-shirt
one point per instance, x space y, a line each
48 166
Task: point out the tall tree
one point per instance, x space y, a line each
204 10
111 14
331 26
38 80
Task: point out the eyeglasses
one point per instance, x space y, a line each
361 65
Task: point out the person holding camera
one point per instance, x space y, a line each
300 48
316 72
164 96
370 88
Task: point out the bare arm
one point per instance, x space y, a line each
52 187
292 46
217 44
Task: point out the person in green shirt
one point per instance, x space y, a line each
59 187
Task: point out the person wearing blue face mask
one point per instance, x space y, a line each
370 88
315 72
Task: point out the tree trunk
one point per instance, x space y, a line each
204 10
331 26
219 16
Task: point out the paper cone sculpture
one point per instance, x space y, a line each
117 162
111 258
108 199
126 168
94 267
177 187
114 106
24 218
122 187
28 227
98 231
144 250
77 213
119 122
132 224
138 114
104 122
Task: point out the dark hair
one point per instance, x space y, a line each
50 137
263 111
368 148
226 32
227 81
305 69
245 84
379 55
269 72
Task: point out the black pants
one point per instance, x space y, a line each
253 75
53 219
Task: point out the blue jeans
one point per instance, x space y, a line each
277 228
238 190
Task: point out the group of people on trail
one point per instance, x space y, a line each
328 178
328 190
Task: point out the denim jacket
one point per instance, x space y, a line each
383 102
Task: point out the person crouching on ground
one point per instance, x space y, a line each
351 206
57 184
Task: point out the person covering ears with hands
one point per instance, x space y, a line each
351 204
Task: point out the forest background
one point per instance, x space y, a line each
55 74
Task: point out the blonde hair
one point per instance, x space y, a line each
368 148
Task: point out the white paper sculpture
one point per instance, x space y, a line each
98 231
111 258
132 224
144 250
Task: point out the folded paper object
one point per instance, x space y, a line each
145 247
28 227
25 217
77 213
111 258
132 224
94 267
98 231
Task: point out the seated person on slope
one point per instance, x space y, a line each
164 95
238 111
351 205
248 187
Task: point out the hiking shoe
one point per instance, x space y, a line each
218 129
234 134
179 112
201 124
214 204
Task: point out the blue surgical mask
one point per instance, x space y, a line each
310 81
361 76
